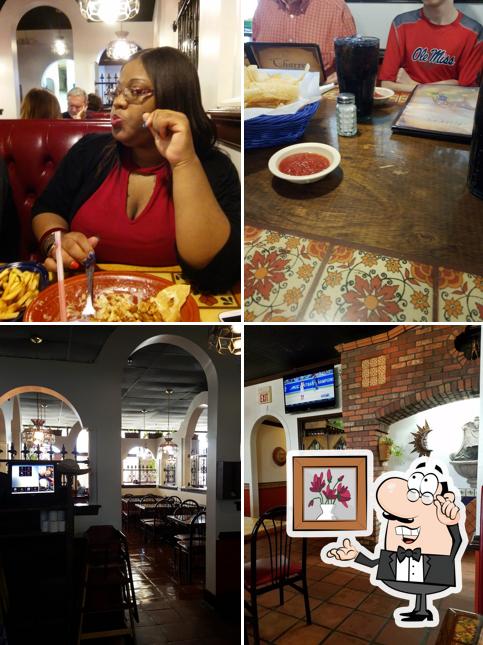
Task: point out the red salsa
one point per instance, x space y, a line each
303 163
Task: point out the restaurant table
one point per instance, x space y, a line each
210 306
185 520
403 195
248 526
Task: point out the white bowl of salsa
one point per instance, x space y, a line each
304 163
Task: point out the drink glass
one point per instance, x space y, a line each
356 61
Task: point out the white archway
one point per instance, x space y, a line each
212 399
254 497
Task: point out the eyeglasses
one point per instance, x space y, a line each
131 94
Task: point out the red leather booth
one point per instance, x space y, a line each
32 150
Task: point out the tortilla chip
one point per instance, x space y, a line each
170 300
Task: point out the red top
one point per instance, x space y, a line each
430 52
146 240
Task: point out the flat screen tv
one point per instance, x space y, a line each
32 478
312 390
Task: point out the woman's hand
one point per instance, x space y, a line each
172 135
75 248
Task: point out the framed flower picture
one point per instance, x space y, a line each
328 492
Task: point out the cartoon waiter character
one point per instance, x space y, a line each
421 541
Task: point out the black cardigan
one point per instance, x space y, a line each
77 178
9 221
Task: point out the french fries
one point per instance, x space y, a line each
17 290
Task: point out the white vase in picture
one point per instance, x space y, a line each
327 512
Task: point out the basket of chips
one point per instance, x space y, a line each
278 106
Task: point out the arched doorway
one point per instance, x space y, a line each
267 478
169 362
41 63
68 439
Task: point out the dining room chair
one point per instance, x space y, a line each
190 551
272 564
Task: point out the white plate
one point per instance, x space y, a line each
318 148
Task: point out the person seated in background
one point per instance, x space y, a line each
434 44
40 104
157 191
9 221
94 103
305 21
76 104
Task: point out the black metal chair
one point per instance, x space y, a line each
276 569
157 525
190 551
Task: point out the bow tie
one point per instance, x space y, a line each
408 553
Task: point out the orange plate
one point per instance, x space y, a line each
45 307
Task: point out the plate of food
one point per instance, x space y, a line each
20 283
119 296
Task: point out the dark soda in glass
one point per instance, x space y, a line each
475 173
356 61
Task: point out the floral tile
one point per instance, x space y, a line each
361 286
460 296
279 269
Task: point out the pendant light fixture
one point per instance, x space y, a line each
167 444
226 339
109 11
121 48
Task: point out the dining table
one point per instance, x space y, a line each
210 306
397 194
185 520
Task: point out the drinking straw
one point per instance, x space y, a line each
60 277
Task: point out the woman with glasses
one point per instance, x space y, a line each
156 192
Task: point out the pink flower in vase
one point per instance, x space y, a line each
343 494
318 483
330 494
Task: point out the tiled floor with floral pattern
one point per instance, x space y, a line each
290 278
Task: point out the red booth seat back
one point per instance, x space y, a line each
32 150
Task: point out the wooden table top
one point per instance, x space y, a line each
401 194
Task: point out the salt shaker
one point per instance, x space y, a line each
346 115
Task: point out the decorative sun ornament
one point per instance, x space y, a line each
109 11
121 48
420 441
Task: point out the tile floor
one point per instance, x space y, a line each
290 278
347 610
170 612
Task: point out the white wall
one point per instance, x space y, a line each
35 55
374 19
446 423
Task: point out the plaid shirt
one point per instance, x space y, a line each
311 21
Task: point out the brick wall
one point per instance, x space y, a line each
420 370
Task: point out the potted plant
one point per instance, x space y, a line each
388 448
